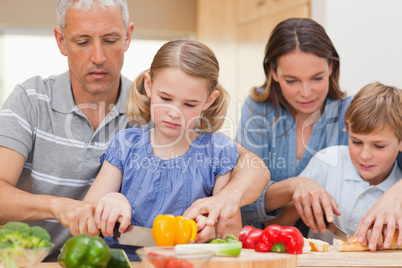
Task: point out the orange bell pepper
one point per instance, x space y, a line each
168 230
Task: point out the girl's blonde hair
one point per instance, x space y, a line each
193 58
374 107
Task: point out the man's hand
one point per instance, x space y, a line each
384 217
218 208
312 202
247 181
79 216
205 232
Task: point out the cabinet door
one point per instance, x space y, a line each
250 9
252 40
217 28
254 9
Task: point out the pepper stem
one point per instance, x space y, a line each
278 247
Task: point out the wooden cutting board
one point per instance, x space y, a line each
249 258
384 258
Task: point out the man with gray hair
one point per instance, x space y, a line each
53 130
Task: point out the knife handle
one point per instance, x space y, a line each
116 232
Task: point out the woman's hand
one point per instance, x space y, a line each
312 202
110 208
384 217
205 232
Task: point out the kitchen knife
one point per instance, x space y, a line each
336 231
135 236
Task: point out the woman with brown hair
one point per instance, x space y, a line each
298 111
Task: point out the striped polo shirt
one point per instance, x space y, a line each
41 121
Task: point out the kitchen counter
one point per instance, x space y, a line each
138 265
332 258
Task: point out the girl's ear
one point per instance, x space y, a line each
212 97
148 84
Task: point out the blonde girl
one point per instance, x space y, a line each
176 157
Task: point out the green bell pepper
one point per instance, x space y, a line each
84 251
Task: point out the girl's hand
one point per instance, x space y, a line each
313 203
205 232
112 207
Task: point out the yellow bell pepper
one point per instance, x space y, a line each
168 230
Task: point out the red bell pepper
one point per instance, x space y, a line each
249 236
277 238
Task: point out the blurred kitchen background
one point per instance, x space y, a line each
366 33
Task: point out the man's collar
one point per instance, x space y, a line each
125 86
62 99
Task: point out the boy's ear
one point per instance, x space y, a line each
148 84
60 41
212 97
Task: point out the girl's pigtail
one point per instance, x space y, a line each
138 103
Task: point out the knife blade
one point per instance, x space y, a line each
336 231
135 236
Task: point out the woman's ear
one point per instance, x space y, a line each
212 97
273 73
330 68
148 84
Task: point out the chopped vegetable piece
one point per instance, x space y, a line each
118 259
232 249
19 235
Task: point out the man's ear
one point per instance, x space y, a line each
60 41
129 34
212 97
148 84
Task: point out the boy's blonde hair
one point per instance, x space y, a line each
375 107
193 58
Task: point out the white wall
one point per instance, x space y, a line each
368 37
14 55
